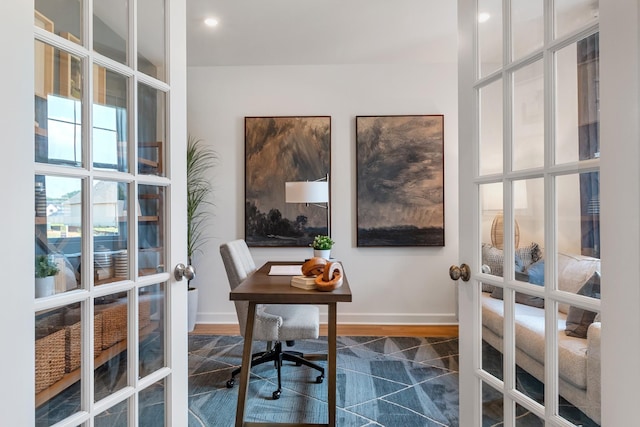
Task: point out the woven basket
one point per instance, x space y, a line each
144 312
73 341
114 322
50 345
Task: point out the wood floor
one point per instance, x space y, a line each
351 330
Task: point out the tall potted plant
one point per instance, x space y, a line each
200 160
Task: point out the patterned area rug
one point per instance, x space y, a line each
381 381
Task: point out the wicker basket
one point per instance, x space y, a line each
114 322
73 341
50 345
144 312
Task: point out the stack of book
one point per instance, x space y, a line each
304 282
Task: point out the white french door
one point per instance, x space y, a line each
98 110
548 113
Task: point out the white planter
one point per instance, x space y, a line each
45 286
322 253
192 308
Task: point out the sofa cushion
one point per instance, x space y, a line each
573 272
530 330
579 319
494 259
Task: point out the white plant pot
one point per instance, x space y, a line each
322 253
45 286
192 308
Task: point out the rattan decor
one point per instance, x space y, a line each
497 232
49 357
74 338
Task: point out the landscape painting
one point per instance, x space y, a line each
400 180
279 150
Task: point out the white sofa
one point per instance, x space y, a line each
578 358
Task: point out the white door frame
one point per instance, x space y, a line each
620 212
17 397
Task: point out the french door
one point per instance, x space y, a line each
541 91
104 342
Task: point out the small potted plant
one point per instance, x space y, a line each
322 246
45 282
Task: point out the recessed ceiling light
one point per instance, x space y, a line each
483 17
211 22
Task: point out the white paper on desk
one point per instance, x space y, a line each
285 270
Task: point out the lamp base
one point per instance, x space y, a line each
497 232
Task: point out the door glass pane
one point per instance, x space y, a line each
526 418
151 38
110 372
572 15
111 29
151 254
60 17
151 321
492 331
58 231
57 362
110 98
527 26
110 231
490 137
489 36
152 405
115 416
578 240
151 130
58 109
578 101
528 199
528 117
492 227
492 406
530 345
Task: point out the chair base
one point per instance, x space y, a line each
277 356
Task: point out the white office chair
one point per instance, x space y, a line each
274 323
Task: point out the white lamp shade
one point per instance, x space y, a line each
306 192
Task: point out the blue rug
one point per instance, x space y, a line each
381 381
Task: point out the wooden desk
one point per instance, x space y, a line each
260 288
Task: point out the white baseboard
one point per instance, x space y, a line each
353 318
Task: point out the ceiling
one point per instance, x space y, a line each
318 32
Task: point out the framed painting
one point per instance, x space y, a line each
280 150
400 180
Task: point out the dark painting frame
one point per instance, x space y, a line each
281 149
400 180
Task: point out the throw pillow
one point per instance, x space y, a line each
529 254
521 298
579 319
536 273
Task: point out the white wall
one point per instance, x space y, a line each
390 285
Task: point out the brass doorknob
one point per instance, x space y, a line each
463 272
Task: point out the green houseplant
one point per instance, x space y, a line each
200 160
322 243
322 246
44 272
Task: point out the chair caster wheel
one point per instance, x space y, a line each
276 394
319 379
231 383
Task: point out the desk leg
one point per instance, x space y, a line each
332 363
245 372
